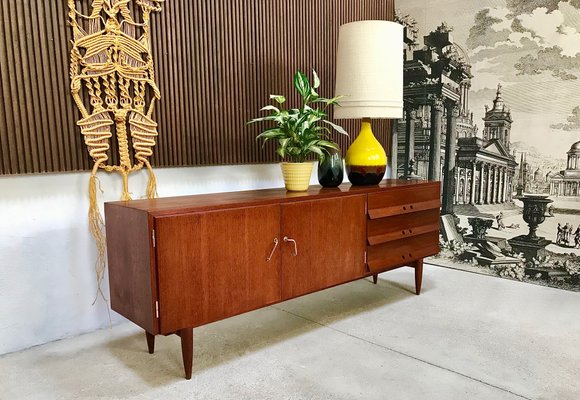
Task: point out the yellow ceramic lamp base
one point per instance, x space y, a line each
366 160
297 175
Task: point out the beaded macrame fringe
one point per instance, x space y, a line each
97 229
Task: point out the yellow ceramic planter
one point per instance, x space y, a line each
297 175
366 160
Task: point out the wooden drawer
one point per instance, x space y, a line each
388 229
404 201
400 252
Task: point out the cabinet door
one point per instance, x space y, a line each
214 265
330 240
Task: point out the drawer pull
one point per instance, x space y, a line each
380 232
273 250
392 210
287 239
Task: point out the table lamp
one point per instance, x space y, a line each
369 74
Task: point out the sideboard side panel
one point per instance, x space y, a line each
131 269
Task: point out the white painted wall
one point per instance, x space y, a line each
47 256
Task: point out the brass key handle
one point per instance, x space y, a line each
273 250
287 239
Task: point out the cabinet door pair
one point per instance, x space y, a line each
216 264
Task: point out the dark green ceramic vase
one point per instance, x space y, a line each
331 170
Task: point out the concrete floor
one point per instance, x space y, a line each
468 336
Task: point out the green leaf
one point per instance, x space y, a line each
268 118
319 113
271 134
282 148
302 123
334 100
338 128
270 108
331 145
282 117
301 84
278 98
311 143
294 151
316 80
316 150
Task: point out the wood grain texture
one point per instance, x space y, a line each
418 265
132 275
186 336
213 265
405 200
390 255
150 342
330 237
37 117
216 201
216 63
402 226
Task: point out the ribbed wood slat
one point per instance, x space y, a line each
216 63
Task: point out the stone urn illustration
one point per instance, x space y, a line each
535 207
479 227
532 245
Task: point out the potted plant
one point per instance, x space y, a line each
300 132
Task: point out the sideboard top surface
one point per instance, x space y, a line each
204 202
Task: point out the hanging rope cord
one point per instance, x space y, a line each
115 75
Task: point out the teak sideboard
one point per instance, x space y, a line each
182 262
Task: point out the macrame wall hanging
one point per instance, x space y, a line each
113 85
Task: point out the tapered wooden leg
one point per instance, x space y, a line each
150 342
375 278
418 276
187 350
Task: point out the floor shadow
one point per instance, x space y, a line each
223 341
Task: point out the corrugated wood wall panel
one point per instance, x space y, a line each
216 63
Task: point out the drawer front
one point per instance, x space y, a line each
404 201
403 226
400 252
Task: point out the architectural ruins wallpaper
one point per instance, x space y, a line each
492 97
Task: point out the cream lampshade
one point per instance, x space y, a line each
369 74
